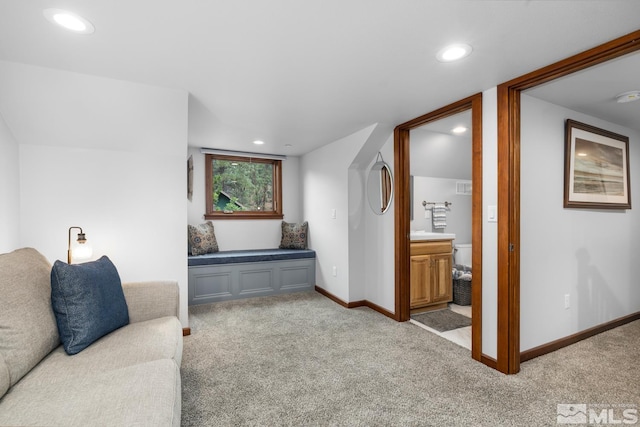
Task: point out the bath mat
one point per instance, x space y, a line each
442 320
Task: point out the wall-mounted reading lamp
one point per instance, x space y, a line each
82 251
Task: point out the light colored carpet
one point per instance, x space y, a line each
302 360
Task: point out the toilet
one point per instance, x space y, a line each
462 254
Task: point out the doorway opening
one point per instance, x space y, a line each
440 238
403 209
509 244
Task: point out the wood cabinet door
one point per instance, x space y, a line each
421 278
441 278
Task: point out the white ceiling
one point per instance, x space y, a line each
593 91
447 124
307 73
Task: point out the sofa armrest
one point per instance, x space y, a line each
151 300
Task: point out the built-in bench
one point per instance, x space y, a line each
227 275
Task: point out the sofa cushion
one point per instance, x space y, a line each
5 379
88 302
130 345
28 329
146 394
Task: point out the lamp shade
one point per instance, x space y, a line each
82 252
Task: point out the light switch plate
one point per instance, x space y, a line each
492 214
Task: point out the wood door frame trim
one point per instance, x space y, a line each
509 356
402 208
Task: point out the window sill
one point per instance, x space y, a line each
243 215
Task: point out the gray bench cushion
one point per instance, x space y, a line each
257 255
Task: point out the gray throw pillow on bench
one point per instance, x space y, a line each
294 236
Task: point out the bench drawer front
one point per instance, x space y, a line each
205 284
252 281
295 277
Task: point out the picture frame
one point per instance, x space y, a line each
596 168
190 178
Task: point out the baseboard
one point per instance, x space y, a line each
186 331
572 339
379 309
489 361
331 297
354 304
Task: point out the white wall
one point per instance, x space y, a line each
589 254
106 155
248 234
325 178
439 190
358 205
378 286
489 229
440 155
9 190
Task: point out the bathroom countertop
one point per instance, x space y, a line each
416 236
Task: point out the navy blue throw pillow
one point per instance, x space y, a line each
88 302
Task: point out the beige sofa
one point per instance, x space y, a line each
128 377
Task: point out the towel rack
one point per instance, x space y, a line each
446 204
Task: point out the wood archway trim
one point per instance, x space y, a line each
508 360
402 212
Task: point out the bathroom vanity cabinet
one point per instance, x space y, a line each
431 284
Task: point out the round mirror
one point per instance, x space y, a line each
380 187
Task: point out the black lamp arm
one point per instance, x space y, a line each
81 239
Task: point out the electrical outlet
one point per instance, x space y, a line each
567 301
333 213
427 214
334 271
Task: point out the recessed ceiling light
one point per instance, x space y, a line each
459 129
454 52
69 21
258 142
634 95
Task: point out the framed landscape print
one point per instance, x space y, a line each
596 172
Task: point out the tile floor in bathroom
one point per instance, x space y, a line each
461 336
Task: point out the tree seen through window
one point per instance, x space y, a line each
242 186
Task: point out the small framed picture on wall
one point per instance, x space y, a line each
190 178
596 173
